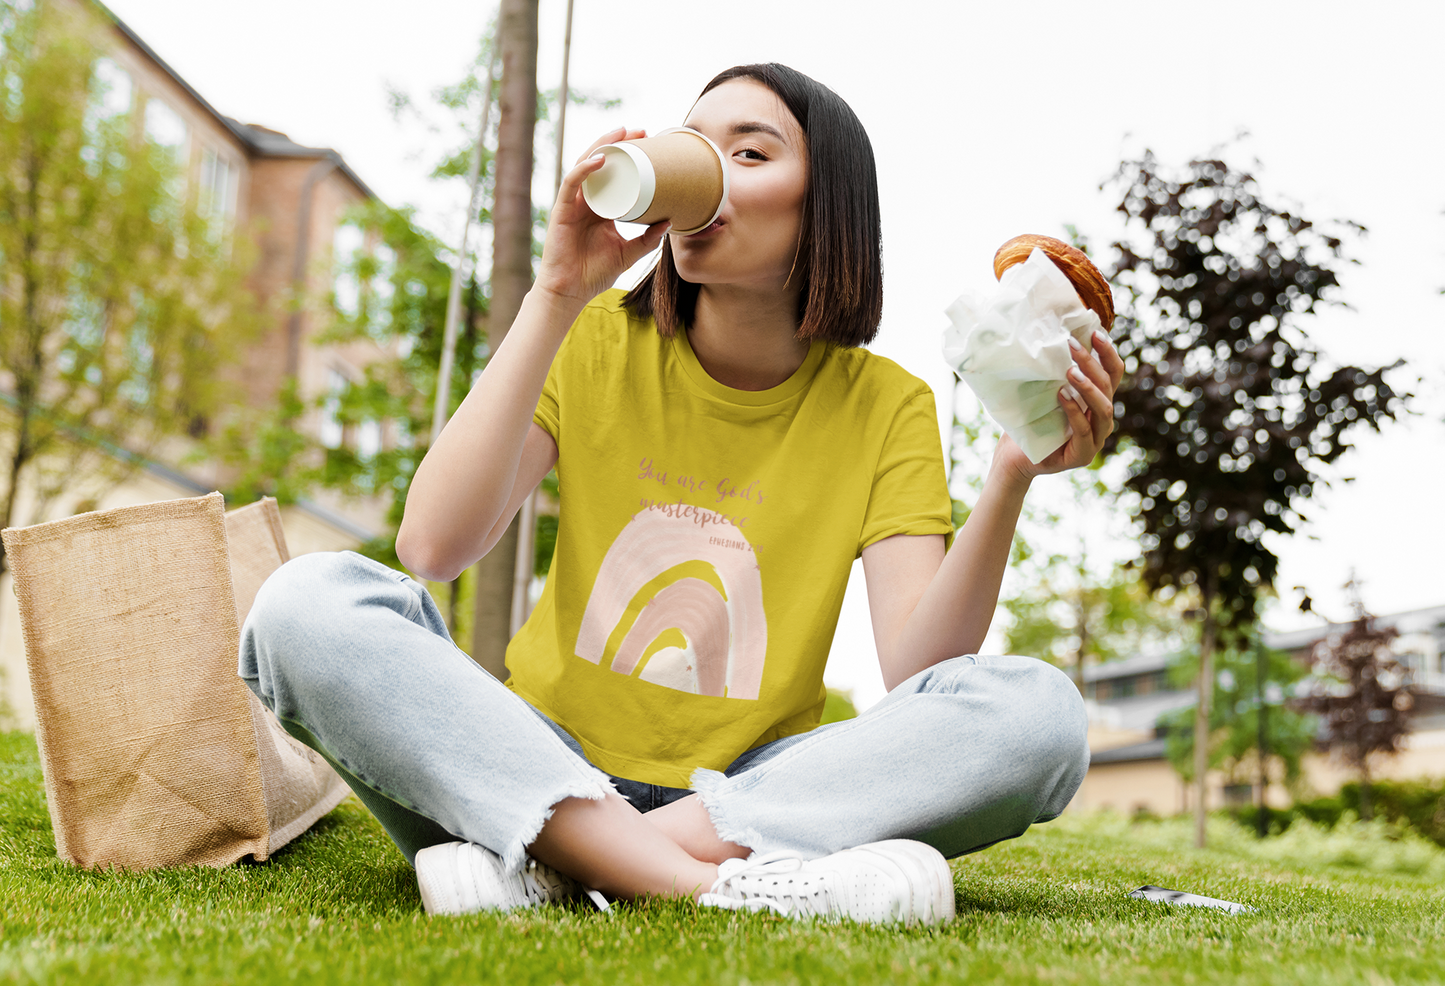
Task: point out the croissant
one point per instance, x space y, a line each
1093 289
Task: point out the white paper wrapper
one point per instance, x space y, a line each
1012 349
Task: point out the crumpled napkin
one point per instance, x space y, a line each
1012 349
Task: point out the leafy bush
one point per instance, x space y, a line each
1417 805
1377 846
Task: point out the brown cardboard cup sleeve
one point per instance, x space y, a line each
154 752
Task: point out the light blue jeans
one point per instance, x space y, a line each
355 660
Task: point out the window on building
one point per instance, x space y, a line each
346 248
165 128
111 88
1238 795
332 432
379 286
361 279
217 194
368 439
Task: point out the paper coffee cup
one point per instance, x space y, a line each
679 175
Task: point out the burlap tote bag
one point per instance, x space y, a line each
154 752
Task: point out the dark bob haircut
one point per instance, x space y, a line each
840 253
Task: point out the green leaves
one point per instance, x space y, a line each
1235 710
119 302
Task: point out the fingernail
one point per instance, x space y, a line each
597 157
1100 335
1075 345
1076 374
1070 392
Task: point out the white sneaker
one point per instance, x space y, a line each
461 877
882 882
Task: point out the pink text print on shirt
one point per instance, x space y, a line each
724 489
726 633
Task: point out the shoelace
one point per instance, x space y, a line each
788 897
539 881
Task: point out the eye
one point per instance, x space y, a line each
752 154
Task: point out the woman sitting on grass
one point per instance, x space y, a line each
726 450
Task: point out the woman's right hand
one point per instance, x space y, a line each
584 253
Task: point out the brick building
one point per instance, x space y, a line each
288 198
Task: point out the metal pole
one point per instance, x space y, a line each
1261 673
527 519
442 408
1201 715
562 98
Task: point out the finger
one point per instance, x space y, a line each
611 137
1079 422
1101 406
1109 358
640 246
1084 359
573 179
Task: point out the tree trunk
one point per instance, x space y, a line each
1201 713
1367 804
511 279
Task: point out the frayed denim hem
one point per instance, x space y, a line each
594 788
707 783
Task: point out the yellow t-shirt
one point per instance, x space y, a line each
705 539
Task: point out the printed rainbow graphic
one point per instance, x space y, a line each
726 633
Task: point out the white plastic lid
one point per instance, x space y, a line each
623 187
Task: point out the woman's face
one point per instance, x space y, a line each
754 242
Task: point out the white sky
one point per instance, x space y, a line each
988 120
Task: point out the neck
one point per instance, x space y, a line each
745 339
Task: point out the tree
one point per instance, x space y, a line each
512 240
119 301
396 293
1241 698
1078 605
1363 695
1073 602
1071 617
1230 414
396 285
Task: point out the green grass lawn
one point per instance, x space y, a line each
340 905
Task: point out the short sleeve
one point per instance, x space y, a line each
548 413
910 485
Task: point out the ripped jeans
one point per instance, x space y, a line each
355 660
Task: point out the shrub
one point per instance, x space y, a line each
1416 805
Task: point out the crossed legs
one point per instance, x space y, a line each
356 662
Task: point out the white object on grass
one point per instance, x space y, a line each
1160 895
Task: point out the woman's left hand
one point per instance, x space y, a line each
1095 376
